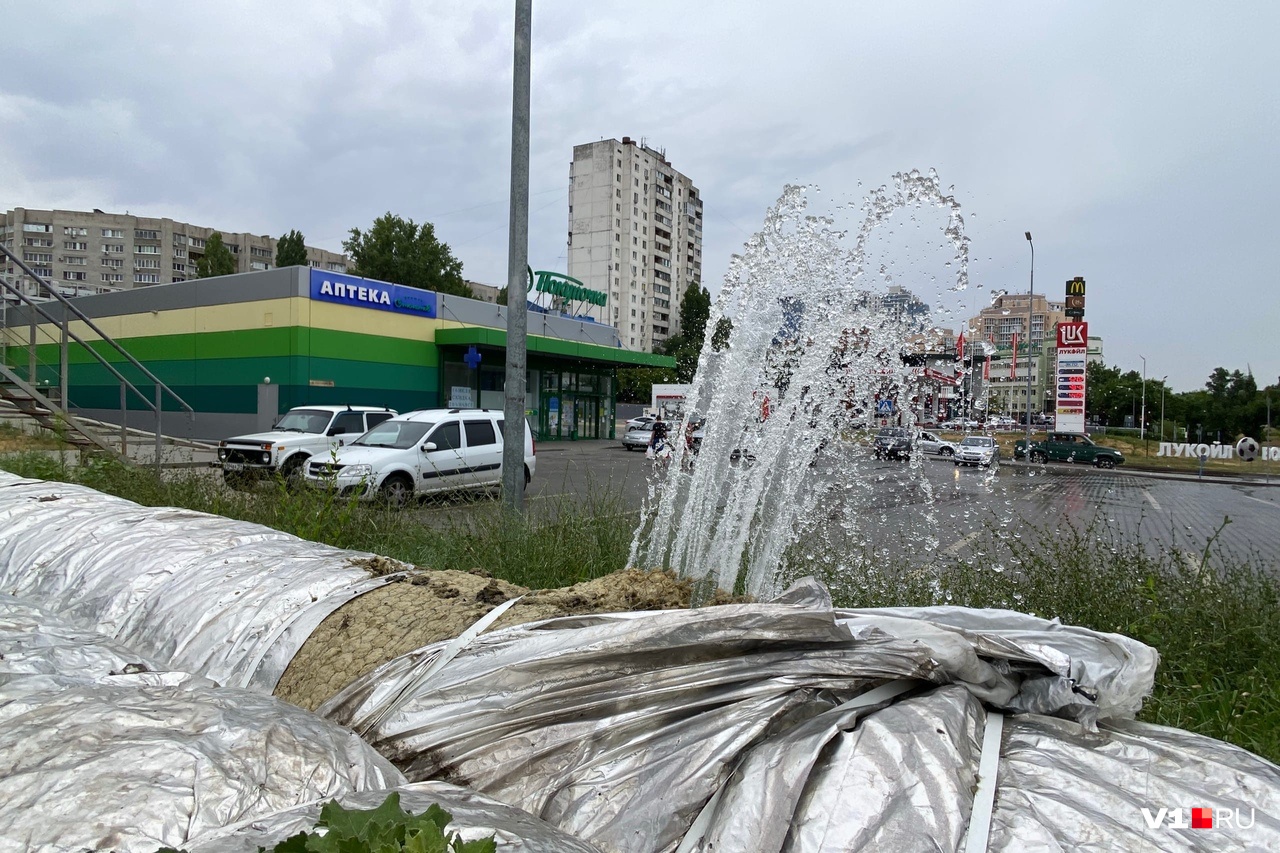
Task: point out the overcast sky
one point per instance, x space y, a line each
1137 142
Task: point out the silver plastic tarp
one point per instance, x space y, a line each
474 816
103 749
226 599
790 726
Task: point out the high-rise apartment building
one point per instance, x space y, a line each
1007 315
635 235
84 253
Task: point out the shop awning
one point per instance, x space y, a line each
554 347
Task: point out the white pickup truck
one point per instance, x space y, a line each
299 434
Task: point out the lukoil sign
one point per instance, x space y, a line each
1266 453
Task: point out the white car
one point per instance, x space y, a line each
929 442
977 450
637 437
300 433
424 452
643 420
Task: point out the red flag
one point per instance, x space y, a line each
960 347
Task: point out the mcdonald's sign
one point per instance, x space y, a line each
1075 286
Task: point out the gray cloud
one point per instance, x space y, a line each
1135 142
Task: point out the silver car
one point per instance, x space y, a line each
929 442
977 450
637 437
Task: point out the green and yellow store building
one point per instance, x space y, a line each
242 349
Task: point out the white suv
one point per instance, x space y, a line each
299 434
436 450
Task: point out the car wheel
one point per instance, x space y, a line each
1105 462
396 491
1037 456
947 451
957 463
292 471
528 478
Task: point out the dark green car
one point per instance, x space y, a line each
1069 447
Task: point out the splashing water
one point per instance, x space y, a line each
815 344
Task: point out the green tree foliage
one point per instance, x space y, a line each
399 251
1229 405
291 250
635 384
217 259
502 296
686 346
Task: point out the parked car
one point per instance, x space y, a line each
300 434
951 426
892 443
424 452
640 421
977 450
929 442
637 437
1069 447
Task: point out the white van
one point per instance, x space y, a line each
419 453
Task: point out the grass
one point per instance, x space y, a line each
1215 621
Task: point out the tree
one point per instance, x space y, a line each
635 384
291 251
502 297
401 252
686 345
217 259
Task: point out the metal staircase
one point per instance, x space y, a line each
36 387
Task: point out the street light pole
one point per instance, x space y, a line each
1030 294
1162 389
1142 424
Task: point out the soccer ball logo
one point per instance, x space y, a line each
1247 449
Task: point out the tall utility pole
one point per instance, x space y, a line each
517 267
1142 423
1162 390
1030 315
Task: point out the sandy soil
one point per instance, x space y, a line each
428 606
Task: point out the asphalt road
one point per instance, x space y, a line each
949 507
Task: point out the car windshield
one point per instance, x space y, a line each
304 420
642 427
977 441
398 434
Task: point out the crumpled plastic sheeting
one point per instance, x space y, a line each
226 599
97 752
474 816
739 728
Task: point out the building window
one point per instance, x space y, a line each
38 227
113 248
146 278
38 242
112 232
75 245
197 242
259 265
259 252
335 266
113 263
72 231
179 267
146 250
112 277
68 275
72 261
234 247
37 257
146 263
140 234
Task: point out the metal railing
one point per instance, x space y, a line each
66 334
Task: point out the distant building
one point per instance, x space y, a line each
1007 316
85 253
484 292
635 235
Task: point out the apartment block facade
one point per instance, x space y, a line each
84 253
1007 316
635 235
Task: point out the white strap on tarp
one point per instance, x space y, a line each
447 654
984 799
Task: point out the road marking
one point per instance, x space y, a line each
1154 503
954 548
1260 500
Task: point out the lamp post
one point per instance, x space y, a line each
1162 390
1030 294
1142 424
